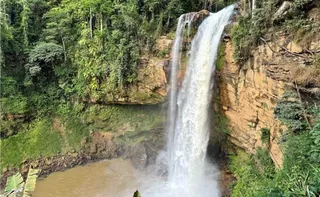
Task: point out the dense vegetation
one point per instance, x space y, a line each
58 54
80 48
55 54
300 174
256 26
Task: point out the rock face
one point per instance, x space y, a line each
249 93
248 97
150 87
151 81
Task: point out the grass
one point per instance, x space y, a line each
42 140
221 56
75 132
37 141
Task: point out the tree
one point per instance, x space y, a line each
44 55
5 32
58 27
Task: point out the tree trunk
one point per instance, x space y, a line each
254 6
101 22
90 23
64 50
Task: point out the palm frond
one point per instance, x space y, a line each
30 182
14 185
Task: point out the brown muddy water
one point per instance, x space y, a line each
109 178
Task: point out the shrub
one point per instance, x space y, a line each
265 135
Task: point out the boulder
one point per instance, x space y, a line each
294 47
139 156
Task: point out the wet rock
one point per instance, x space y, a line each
139 156
24 169
48 161
35 164
163 44
154 145
203 13
93 148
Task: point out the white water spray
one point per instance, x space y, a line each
189 174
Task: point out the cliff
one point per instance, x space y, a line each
249 93
150 85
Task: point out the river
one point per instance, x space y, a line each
109 178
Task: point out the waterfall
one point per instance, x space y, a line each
189 174
185 19
188 112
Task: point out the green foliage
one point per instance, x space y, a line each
290 111
84 49
80 49
215 5
30 183
43 139
44 100
11 100
129 118
247 175
163 53
10 127
251 27
221 123
42 56
264 162
39 140
74 128
16 187
265 135
14 104
221 56
246 34
298 177
136 194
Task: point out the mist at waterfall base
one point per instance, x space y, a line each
185 169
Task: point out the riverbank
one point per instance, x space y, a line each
70 139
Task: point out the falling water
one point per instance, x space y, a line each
189 174
188 126
184 20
